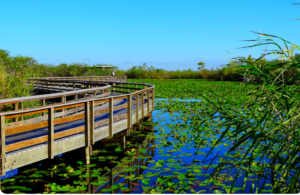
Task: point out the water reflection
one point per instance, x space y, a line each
115 167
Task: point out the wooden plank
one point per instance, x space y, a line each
29 127
56 108
42 139
50 132
127 88
123 92
47 96
117 98
101 101
2 146
111 115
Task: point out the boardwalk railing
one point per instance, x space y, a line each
91 78
57 132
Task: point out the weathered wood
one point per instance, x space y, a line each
50 132
39 119
87 132
111 117
22 107
129 112
29 127
92 123
101 101
56 108
137 107
2 145
142 99
153 98
148 101
123 92
117 98
126 88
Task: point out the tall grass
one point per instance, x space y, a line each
267 125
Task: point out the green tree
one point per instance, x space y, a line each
201 65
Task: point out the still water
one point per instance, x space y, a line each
159 154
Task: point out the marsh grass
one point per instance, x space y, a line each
268 126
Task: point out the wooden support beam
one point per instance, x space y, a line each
44 104
2 146
129 113
87 132
92 121
142 99
22 107
148 101
16 105
50 132
153 97
137 107
111 117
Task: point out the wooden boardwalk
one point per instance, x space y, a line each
98 110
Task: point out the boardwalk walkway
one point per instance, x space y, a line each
90 120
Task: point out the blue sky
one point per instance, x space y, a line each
166 34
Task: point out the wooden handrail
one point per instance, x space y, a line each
84 104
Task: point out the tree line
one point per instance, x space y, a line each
16 70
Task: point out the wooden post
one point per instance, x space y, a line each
87 132
92 123
129 113
16 108
137 107
111 117
22 107
142 100
148 101
64 99
121 87
50 132
114 84
73 86
153 95
127 87
59 87
43 103
2 146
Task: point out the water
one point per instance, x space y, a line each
179 159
